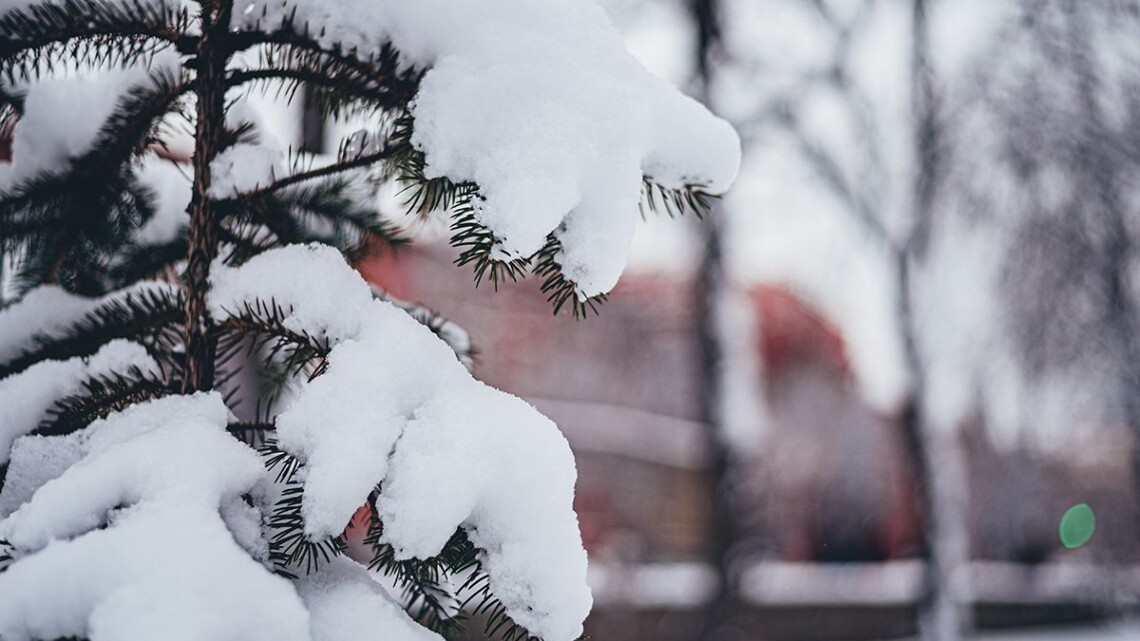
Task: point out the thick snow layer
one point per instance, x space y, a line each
26 397
345 602
540 104
332 307
35 460
396 406
449 332
507 475
164 563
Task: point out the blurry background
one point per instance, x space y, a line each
858 401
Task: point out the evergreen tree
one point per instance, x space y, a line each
153 297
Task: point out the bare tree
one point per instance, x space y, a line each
1059 100
934 455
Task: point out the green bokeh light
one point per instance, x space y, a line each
1077 526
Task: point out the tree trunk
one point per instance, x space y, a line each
210 91
721 615
943 607
938 468
720 620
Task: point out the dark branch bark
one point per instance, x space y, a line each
210 88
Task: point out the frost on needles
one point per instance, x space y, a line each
209 423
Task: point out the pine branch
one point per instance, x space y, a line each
478 248
674 202
6 549
131 128
560 291
296 41
104 395
242 239
422 195
260 327
342 85
151 317
11 108
276 459
426 597
342 166
289 548
145 262
252 433
334 212
69 223
71 244
261 324
422 582
101 33
478 245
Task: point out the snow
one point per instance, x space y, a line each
540 104
449 332
35 460
142 477
25 398
675 586
248 165
46 310
516 508
345 602
243 168
397 407
332 306
171 186
1113 631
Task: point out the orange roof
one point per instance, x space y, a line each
793 333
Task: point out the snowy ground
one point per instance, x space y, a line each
1117 632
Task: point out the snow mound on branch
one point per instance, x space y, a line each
157 475
25 398
345 602
396 407
35 460
539 103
